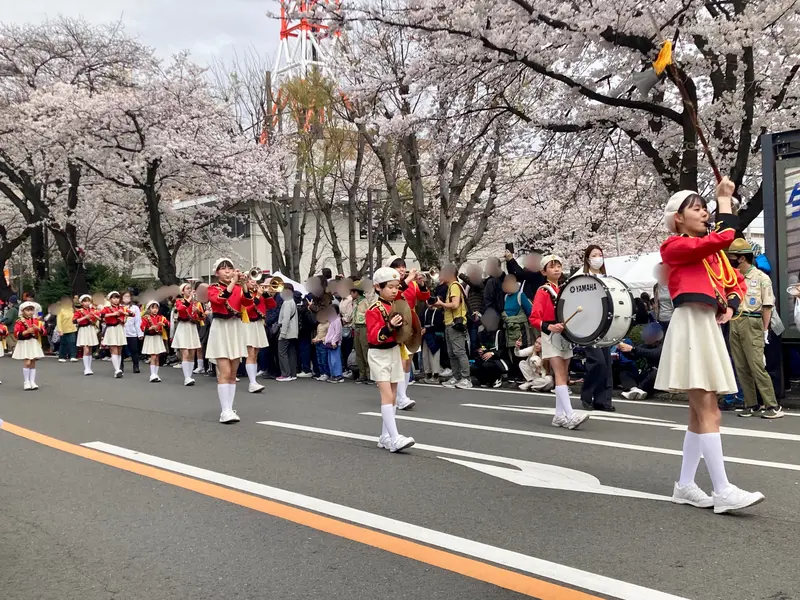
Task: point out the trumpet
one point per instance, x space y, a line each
256 274
793 290
275 285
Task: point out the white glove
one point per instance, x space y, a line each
766 336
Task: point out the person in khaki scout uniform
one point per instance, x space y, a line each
749 332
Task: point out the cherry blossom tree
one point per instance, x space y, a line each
737 60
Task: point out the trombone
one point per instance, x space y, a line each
275 285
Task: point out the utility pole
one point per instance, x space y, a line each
369 230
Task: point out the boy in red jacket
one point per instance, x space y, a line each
705 291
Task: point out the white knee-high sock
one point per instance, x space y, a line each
711 447
87 362
231 394
153 370
186 366
33 375
222 393
401 389
563 403
692 453
201 363
251 372
26 373
387 412
115 361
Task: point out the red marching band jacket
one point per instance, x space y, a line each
23 324
379 333
189 310
413 293
543 313
111 321
154 325
260 306
3 331
84 317
226 305
693 280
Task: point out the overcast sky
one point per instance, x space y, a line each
205 27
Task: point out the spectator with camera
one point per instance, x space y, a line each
455 328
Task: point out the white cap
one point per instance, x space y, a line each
84 297
391 259
149 304
673 204
220 261
546 260
385 274
184 286
27 304
114 293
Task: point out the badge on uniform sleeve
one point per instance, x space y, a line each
752 301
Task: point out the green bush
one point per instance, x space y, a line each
100 279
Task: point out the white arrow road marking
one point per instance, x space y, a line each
530 474
581 440
514 560
543 410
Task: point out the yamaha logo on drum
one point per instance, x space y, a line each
586 287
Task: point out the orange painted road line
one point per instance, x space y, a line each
510 580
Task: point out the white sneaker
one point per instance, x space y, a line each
401 443
74 360
525 386
155 378
237 380
446 373
34 386
464 384
118 375
87 373
629 395
260 373
450 383
385 442
735 499
304 375
254 388
177 365
62 360
26 385
229 416
322 377
284 379
635 394
199 371
406 404
347 374
188 381
559 421
106 359
691 494
577 420
640 394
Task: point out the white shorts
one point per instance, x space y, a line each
386 364
186 336
153 344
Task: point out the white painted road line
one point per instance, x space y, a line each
581 440
526 473
514 560
671 425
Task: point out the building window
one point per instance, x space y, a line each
237 225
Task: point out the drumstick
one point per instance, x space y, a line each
577 310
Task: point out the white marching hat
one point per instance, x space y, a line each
185 285
385 274
149 304
84 297
673 204
220 261
114 293
391 259
546 260
27 304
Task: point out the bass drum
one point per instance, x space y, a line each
606 310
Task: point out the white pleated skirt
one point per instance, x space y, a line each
28 350
694 356
555 346
255 334
153 344
115 336
226 339
87 336
186 336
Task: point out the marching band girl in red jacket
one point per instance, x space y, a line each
29 331
554 347
154 327
186 338
114 316
229 299
87 320
255 331
705 291
385 361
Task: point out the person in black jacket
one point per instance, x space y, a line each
493 294
530 276
432 320
474 284
491 361
650 350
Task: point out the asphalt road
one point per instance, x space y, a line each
491 500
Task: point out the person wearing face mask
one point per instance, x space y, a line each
598 381
749 332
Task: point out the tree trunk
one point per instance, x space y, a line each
39 253
167 271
